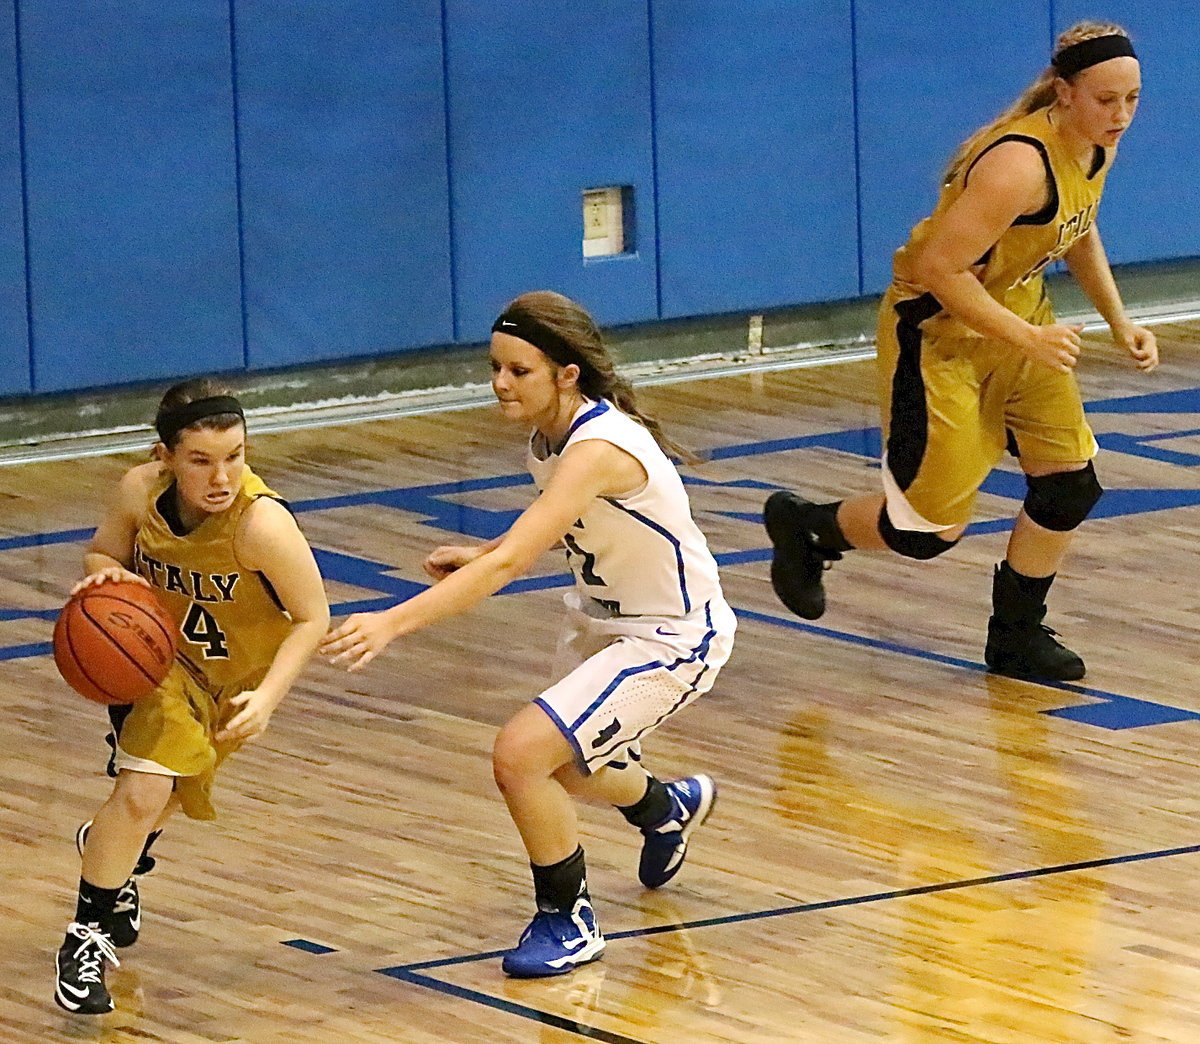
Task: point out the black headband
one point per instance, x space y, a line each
542 338
1080 56
171 422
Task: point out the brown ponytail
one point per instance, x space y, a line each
575 338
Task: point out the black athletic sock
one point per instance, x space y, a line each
146 861
95 905
557 886
1017 597
651 808
823 524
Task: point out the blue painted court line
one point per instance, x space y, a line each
1186 400
28 614
63 536
17 652
309 947
1114 711
413 973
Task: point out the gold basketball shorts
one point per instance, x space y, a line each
950 408
171 733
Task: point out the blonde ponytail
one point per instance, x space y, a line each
1036 96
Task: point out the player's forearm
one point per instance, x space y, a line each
293 653
94 561
964 297
1088 264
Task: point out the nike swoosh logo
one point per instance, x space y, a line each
81 994
666 634
505 322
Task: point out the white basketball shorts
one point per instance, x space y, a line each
628 674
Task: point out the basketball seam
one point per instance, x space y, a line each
116 645
77 660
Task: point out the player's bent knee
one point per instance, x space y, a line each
1061 501
912 543
518 760
142 796
506 772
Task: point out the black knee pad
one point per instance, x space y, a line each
911 543
1062 500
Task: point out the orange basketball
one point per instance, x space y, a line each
114 642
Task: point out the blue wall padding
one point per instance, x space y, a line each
1149 210
222 185
755 133
546 101
131 185
924 85
344 194
15 375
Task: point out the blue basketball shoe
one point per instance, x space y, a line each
665 844
556 942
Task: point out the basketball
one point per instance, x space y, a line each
114 642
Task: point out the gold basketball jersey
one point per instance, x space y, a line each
1012 270
230 621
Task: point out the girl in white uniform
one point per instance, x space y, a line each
648 627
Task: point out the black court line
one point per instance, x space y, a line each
547 1018
412 973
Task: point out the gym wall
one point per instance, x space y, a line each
225 185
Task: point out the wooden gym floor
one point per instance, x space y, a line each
905 848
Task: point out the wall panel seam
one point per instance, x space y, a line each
453 268
658 304
237 185
20 75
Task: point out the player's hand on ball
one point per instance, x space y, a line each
358 640
114 574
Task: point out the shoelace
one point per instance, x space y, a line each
94 946
126 899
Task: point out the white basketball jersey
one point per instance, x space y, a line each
639 555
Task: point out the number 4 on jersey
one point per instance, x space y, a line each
201 629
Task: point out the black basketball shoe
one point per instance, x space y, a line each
1030 651
798 561
80 962
1019 645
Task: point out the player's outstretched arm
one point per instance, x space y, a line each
586 471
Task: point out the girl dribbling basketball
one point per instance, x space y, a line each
238 577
